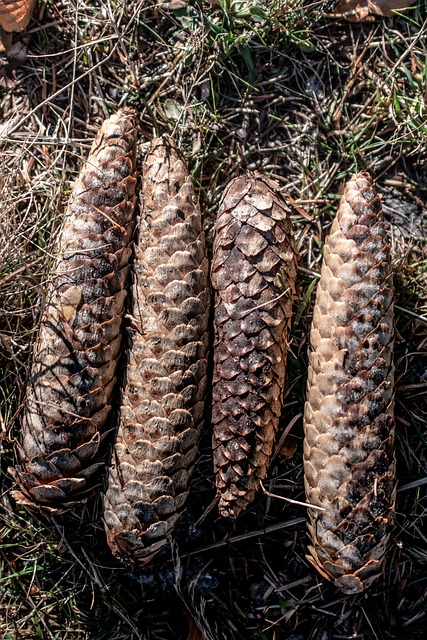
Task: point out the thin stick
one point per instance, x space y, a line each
245 536
301 504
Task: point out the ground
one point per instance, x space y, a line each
307 98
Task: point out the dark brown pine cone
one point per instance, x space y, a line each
349 428
253 248
75 356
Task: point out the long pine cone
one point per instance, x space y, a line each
253 246
349 428
163 400
75 355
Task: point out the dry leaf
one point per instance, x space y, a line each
15 14
194 632
288 448
365 10
5 41
69 301
16 55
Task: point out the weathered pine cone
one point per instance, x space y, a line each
253 247
163 400
349 429
73 371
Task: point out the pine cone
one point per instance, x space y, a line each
73 372
349 429
253 246
163 400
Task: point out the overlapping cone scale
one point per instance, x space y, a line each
73 371
349 458
163 400
253 275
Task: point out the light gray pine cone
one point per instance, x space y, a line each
163 400
253 247
73 371
349 428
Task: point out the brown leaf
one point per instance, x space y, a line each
365 10
16 14
5 41
16 55
288 448
194 632
175 5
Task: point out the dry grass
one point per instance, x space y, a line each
273 86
